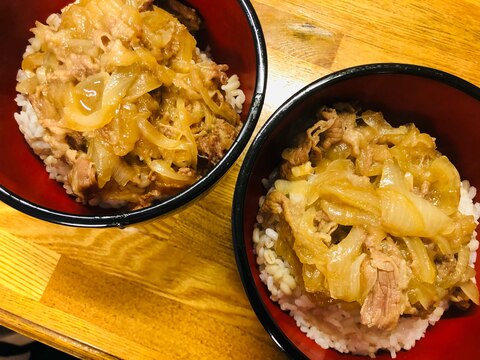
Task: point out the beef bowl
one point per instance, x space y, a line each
333 260
116 112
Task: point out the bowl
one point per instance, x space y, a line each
24 183
440 104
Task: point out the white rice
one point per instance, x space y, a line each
335 326
233 94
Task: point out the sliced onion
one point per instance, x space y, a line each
470 289
343 268
164 169
422 266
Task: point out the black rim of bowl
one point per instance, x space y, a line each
183 198
240 194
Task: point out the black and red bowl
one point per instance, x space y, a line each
440 104
232 31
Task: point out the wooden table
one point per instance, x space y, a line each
170 288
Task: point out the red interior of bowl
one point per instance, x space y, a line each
21 172
438 109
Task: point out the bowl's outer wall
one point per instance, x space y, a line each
445 112
21 172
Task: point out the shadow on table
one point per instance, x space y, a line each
14 346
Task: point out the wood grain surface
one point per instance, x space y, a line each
169 289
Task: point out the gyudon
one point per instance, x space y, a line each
121 105
366 234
